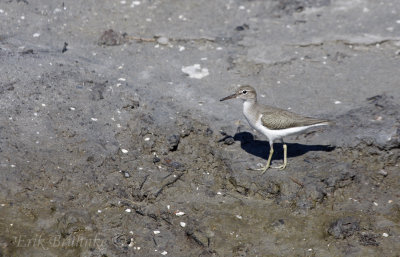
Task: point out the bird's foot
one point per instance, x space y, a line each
280 167
262 169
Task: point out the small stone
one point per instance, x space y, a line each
344 227
124 151
128 210
156 232
209 132
383 173
112 38
229 140
164 253
180 213
162 40
156 159
183 224
126 174
385 234
173 142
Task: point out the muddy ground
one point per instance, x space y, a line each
113 141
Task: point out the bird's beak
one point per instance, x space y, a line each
229 97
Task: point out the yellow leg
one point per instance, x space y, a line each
271 151
283 166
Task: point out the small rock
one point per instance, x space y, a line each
383 173
229 140
368 240
112 38
208 132
173 142
179 213
162 40
344 227
156 159
242 27
126 174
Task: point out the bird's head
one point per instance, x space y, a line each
243 92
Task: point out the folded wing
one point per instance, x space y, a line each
281 119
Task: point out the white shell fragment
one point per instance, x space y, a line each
162 41
195 71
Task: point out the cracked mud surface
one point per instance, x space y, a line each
107 148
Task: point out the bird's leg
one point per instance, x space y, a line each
283 166
271 151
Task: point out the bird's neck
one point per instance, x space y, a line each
250 102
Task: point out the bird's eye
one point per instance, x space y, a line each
244 92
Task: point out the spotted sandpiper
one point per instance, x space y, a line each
273 122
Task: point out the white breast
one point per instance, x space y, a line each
250 117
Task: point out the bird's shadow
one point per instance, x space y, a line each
261 149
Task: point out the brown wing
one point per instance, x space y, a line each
281 119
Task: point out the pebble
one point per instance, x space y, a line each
162 40
164 253
183 224
124 151
156 232
135 3
126 174
385 234
229 141
383 173
180 213
128 210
